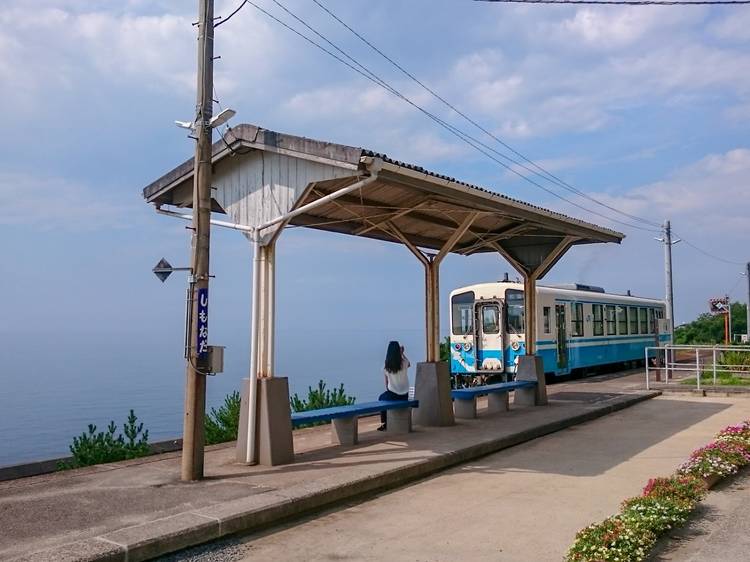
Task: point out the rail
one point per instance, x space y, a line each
721 365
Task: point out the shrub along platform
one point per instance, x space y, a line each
139 509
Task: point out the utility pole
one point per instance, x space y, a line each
197 352
667 240
747 330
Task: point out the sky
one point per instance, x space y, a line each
645 108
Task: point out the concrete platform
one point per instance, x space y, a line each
139 509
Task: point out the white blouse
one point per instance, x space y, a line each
398 382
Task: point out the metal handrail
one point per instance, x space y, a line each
670 365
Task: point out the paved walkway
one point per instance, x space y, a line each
139 509
721 530
520 504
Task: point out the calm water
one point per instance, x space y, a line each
54 386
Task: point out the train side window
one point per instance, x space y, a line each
622 320
643 320
462 313
514 312
490 319
546 313
598 319
633 315
651 321
577 316
610 312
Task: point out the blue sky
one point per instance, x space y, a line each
645 108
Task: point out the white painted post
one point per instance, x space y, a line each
698 368
714 362
648 387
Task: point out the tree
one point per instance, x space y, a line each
709 328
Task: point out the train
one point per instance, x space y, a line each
579 328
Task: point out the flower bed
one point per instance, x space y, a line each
665 502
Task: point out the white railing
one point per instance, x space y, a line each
678 363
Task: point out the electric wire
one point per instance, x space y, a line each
709 254
539 170
230 16
461 135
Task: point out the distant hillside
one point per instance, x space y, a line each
710 329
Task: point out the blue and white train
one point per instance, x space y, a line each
578 327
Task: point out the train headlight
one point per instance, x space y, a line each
467 346
515 346
457 346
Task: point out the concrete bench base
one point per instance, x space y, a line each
399 421
344 431
497 402
465 409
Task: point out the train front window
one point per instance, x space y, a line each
491 319
514 313
462 313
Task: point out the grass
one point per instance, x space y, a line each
723 378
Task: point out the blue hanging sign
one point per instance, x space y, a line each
202 343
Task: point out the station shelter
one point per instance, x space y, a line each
264 181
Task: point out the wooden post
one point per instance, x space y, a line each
195 388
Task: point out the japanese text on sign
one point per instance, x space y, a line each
202 342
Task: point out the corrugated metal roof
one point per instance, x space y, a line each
400 182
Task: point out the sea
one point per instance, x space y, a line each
55 385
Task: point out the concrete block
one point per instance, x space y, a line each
531 368
399 421
465 409
275 445
344 431
497 402
432 387
273 422
155 538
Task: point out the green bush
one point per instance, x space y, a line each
319 398
96 448
740 360
221 425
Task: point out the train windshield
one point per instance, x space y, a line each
514 311
462 313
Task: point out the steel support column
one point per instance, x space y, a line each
529 312
530 275
432 309
431 264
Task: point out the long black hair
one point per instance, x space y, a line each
393 357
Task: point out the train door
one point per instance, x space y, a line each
489 340
562 339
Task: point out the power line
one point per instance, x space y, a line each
230 16
625 2
709 254
542 172
460 134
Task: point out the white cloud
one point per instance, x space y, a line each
82 45
616 27
55 203
735 27
703 198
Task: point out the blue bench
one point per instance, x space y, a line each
465 399
344 418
